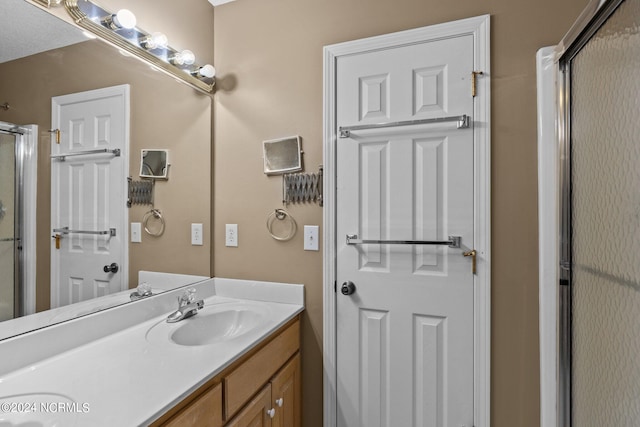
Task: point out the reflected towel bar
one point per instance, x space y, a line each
453 242
61 157
463 122
65 230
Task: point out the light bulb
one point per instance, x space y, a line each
155 41
186 57
123 19
207 71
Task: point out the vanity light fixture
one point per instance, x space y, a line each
155 41
120 30
49 3
206 71
124 19
185 57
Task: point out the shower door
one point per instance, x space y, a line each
600 269
9 228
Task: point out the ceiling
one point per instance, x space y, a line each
26 30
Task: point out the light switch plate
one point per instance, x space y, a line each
196 234
311 238
231 235
136 232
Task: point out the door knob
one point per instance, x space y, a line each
113 268
271 412
348 288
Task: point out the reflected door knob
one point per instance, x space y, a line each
113 268
348 288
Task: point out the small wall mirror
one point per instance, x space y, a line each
283 155
154 164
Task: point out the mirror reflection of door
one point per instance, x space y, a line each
88 188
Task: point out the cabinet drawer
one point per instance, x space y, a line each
256 371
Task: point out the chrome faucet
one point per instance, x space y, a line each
187 306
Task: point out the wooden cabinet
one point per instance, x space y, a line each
256 413
278 404
204 410
286 394
261 389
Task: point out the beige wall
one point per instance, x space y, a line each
269 60
164 114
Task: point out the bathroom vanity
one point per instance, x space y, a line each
262 388
234 363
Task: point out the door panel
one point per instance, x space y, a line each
88 194
405 337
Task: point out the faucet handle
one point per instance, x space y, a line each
187 297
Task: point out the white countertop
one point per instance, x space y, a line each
127 378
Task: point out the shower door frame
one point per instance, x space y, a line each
25 211
554 213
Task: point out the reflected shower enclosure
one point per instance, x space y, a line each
16 153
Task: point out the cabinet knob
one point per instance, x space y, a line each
271 412
279 402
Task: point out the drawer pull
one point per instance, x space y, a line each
271 412
279 402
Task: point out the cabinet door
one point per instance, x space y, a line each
205 410
285 394
257 413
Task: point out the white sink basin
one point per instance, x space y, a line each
39 410
214 323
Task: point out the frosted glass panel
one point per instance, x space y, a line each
7 196
605 156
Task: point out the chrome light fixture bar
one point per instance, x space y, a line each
49 3
119 29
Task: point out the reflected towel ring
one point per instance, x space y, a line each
281 215
153 213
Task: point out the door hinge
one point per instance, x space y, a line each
474 77
335 286
57 132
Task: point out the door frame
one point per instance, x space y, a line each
124 92
479 28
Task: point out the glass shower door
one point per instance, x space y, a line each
603 216
8 228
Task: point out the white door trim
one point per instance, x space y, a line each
479 28
548 225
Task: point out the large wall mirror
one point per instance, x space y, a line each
164 114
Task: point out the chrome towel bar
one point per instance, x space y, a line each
65 230
61 157
453 242
463 122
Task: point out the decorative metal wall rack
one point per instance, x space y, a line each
302 187
140 192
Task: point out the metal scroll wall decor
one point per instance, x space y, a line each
302 188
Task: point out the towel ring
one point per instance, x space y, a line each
281 215
153 213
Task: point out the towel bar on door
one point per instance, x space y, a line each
463 122
453 242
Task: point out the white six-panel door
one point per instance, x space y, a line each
405 337
88 193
